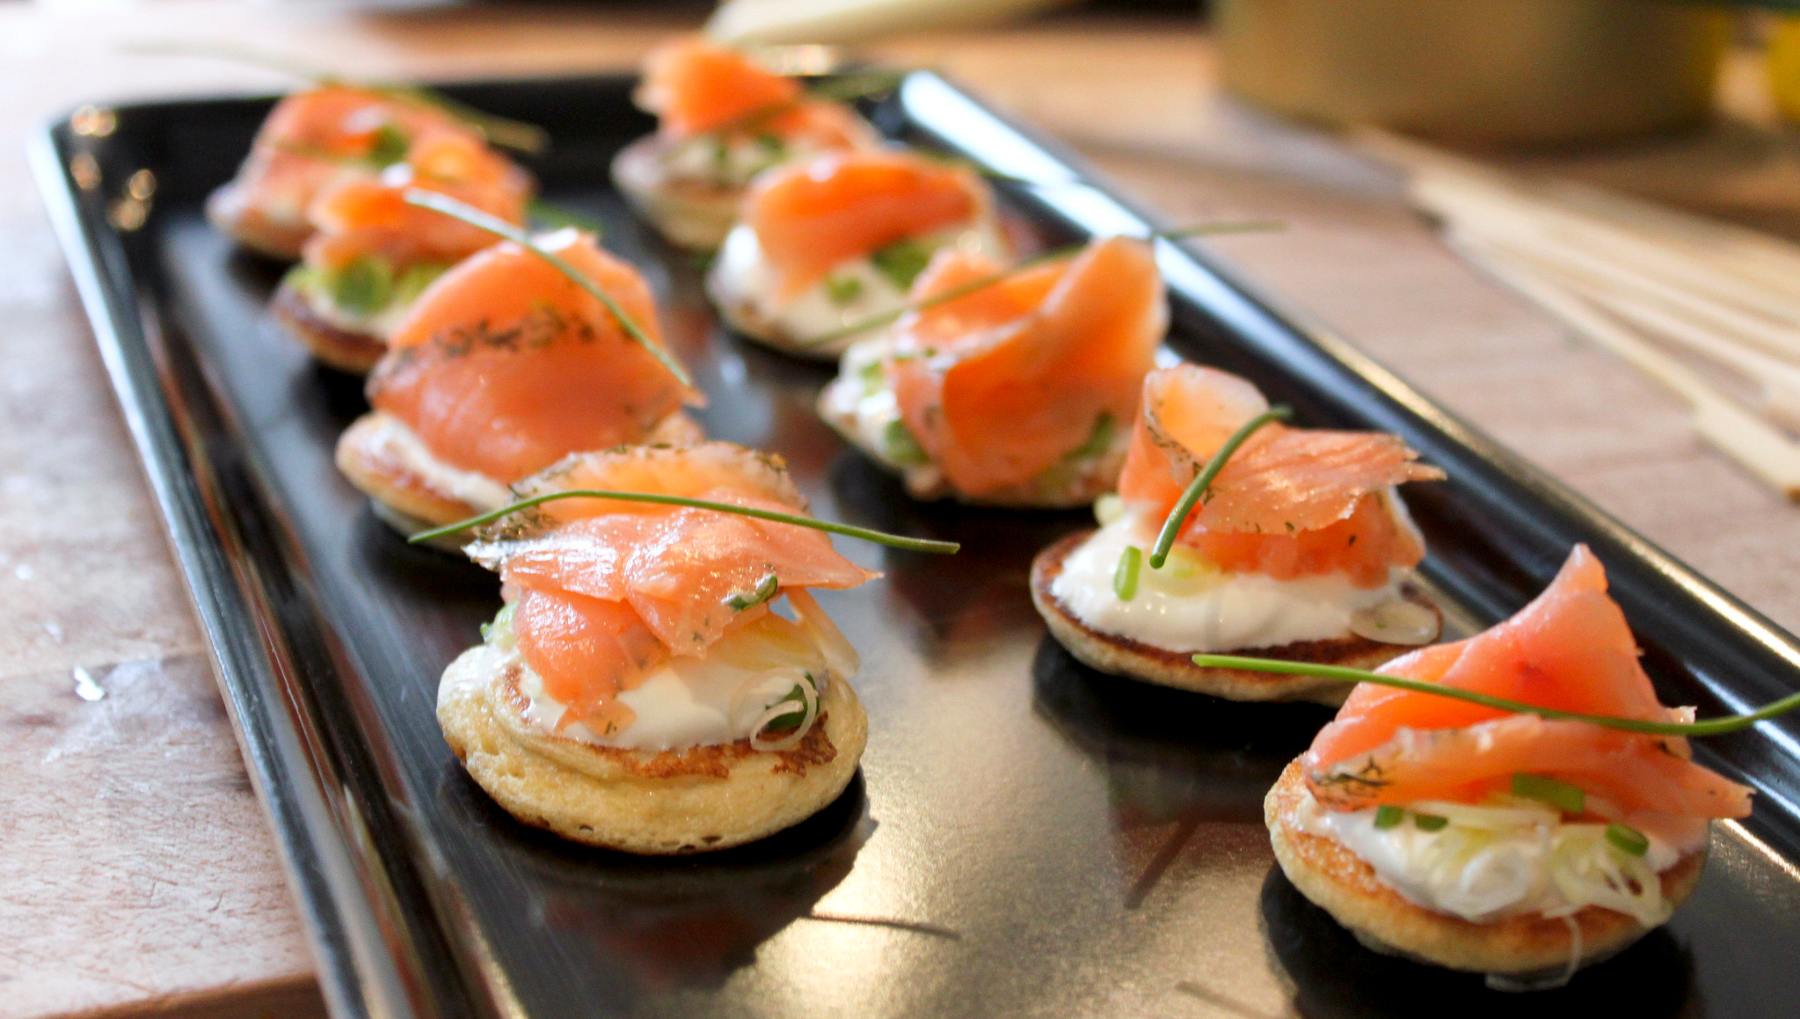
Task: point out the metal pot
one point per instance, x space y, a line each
1478 71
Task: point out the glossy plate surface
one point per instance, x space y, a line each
1026 837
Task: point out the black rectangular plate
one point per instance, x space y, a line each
1026 837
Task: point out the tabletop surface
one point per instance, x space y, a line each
136 871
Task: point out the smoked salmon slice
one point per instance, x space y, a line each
1290 501
363 217
504 365
313 139
811 216
1570 649
696 86
1000 385
606 590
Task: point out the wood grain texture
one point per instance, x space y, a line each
136 873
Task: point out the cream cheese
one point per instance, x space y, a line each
391 438
1191 608
1488 863
380 324
861 405
688 701
731 162
743 281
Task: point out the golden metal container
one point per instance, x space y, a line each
1478 71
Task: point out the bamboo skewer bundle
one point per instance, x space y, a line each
1638 280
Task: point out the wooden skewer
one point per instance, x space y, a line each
1455 199
1730 428
1771 261
1777 381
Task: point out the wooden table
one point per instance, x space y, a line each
136 874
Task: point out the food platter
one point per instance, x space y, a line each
1026 837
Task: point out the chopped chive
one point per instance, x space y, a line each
1125 575
1165 539
1430 822
1388 816
501 228
764 590
791 720
1627 839
902 261
1338 673
893 315
389 146
661 499
362 286
843 289
901 447
1561 795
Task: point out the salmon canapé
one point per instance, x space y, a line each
1299 548
1570 649
310 141
1503 841
505 365
661 678
1017 392
722 118
374 253
843 237
1290 503
603 592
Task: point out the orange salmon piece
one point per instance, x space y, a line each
1290 502
504 365
814 215
1001 384
1570 649
612 589
694 86
370 216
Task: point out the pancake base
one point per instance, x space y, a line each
1123 656
690 214
400 494
227 210
1524 948
657 804
341 348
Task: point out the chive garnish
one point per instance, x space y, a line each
832 527
362 286
1388 816
789 721
501 228
1125 575
1703 727
502 131
893 315
1165 539
1430 822
1561 795
902 261
1627 839
843 289
762 592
